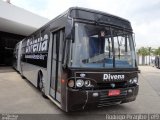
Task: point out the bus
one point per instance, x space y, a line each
82 59
157 62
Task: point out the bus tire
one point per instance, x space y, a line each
22 76
40 84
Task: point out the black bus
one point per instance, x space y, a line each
82 59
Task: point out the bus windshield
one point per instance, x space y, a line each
102 47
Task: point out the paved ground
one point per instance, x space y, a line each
19 96
6 69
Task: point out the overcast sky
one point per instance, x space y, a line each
144 15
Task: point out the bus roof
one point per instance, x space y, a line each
98 16
91 15
96 11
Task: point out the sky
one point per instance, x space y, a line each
144 15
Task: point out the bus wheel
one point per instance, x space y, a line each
41 85
22 77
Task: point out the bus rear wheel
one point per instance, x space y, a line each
41 84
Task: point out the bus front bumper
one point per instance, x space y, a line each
89 99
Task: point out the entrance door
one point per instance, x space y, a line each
2 51
56 66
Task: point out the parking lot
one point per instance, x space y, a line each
17 95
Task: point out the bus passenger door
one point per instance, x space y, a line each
56 66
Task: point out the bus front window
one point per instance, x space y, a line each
102 47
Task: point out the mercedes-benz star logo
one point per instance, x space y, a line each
113 85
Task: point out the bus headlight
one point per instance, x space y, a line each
133 81
87 83
71 83
79 83
130 81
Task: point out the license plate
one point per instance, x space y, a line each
114 92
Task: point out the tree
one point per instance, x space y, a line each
144 51
157 52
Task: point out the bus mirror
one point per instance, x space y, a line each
68 35
69 32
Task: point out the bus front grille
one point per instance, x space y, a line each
108 85
105 100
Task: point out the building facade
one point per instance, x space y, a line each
15 24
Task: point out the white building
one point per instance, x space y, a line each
15 24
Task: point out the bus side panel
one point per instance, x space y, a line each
31 72
34 55
31 66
